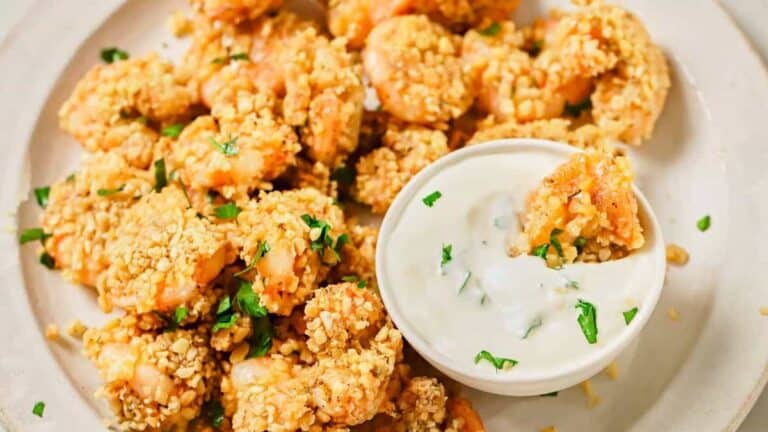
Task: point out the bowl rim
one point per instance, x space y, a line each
605 352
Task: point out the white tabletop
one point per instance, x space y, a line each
749 15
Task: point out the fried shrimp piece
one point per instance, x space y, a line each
102 111
162 257
240 147
234 11
273 394
557 129
312 175
324 95
422 404
153 381
384 171
350 387
358 256
415 66
85 208
350 19
300 256
588 206
462 417
340 316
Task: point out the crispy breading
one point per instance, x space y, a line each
385 170
234 11
153 381
358 256
111 105
80 219
163 256
556 129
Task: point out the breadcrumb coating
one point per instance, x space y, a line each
102 111
358 256
415 66
384 171
422 404
590 198
80 220
234 11
340 316
324 95
288 274
153 381
162 257
556 129
312 175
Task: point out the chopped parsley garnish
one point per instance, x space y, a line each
588 320
483 299
261 249
465 282
161 179
172 322
71 177
344 174
579 243
235 57
541 251
361 283
227 211
113 54
248 301
536 48
533 326
261 341
629 315
575 110
108 192
499 363
173 130
179 314
47 260
446 255
225 316
229 148
41 195
704 223
213 411
38 409
555 242
430 199
141 119
321 239
492 30
572 284
33 234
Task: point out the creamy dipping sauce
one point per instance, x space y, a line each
482 299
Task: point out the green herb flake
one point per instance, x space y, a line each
225 316
361 283
344 174
541 251
321 239
227 211
248 301
492 30
213 411
579 243
261 341
161 179
228 148
41 195
536 48
465 282
261 249
555 242
108 192
588 320
71 177
179 314
33 234
704 223
113 54
533 326
430 199
500 363
575 110
446 255
629 315
174 130
239 56
572 284
47 260
38 409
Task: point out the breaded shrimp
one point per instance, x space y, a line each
299 255
324 95
556 129
342 316
422 404
80 219
358 256
153 381
234 11
315 175
587 204
350 19
162 257
384 171
414 65
111 104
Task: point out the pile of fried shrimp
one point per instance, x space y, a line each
216 204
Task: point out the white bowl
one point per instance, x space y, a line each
521 383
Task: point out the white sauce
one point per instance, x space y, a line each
512 307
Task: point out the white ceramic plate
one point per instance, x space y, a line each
709 155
